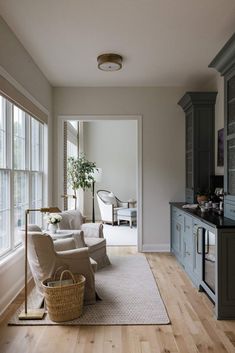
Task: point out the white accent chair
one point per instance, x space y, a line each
109 204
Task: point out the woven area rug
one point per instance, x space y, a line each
129 297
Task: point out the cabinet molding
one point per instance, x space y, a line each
199 108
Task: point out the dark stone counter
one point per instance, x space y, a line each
210 217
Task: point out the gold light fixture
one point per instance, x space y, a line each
109 62
31 314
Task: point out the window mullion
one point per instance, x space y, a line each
11 166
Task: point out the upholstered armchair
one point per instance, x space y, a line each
109 204
46 256
93 235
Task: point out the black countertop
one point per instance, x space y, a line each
210 217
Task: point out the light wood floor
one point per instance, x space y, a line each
193 326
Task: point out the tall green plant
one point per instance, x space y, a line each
80 173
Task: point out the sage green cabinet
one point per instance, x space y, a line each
224 63
206 251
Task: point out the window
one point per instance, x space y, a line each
21 172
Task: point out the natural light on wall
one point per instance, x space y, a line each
21 172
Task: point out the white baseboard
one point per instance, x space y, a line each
156 247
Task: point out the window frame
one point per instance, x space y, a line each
11 168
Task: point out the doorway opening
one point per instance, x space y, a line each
114 144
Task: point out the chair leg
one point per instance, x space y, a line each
131 222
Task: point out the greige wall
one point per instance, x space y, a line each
113 146
163 145
16 62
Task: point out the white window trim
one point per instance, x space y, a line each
12 251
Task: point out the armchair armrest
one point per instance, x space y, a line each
93 230
78 236
73 254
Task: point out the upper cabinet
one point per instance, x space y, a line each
199 108
224 62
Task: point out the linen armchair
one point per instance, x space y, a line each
45 256
93 235
109 204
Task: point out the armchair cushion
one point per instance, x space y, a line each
64 244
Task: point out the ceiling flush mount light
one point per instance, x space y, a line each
109 62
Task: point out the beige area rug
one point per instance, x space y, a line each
129 297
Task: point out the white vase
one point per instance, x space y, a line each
53 228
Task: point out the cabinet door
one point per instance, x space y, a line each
197 238
177 239
229 142
188 244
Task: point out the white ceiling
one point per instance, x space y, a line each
163 42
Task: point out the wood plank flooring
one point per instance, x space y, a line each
193 326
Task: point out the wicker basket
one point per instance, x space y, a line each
65 303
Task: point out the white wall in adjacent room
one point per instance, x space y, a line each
112 145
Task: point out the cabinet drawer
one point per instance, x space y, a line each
229 210
178 215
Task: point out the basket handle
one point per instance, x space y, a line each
59 269
70 273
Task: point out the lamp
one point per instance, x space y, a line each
31 314
97 175
109 62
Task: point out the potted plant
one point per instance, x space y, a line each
80 174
